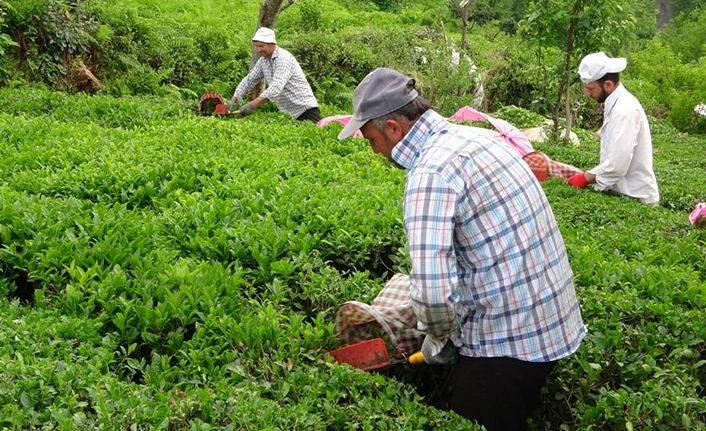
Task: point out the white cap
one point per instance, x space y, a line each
595 66
264 35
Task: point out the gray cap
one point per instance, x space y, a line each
381 92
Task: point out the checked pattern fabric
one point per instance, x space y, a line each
287 86
390 313
543 167
489 266
207 102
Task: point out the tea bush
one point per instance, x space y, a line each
169 271
669 88
179 280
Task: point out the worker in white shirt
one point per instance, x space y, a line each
625 165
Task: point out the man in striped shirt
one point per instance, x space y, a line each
287 86
490 274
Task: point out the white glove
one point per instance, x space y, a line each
437 352
233 101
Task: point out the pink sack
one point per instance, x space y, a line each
505 131
342 119
698 216
468 114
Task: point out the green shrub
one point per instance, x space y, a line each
522 76
50 34
5 41
183 271
386 5
481 12
335 63
509 26
520 117
311 14
686 35
667 87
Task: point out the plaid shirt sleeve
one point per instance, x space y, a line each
250 80
282 72
429 211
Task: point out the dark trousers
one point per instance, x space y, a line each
499 393
311 114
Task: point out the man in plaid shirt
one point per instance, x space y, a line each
287 86
490 274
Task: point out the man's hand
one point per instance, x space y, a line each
247 109
231 104
579 181
446 355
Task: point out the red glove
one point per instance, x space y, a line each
579 181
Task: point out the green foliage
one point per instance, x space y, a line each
175 269
5 41
335 63
386 5
645 13
548 22
447 85
509 26
49 34
484 11
523 77
181 48
481 12
684 6
521 118
332 67
169 271
142 53
667 87
136 47
311 14
686 36
577 27
637 269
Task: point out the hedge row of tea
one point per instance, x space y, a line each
166 271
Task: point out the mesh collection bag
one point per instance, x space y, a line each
390 314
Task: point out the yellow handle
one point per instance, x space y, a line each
417 358
236 112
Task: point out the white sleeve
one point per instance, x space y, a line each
619 141
249 82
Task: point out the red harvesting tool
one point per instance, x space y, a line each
371 355
213 103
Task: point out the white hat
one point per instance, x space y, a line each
265 35
595 66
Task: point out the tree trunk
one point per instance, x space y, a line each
567 107
462 9
665 13
464 26
569 51
566 84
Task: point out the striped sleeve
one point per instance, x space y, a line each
430 205
249 82
280 76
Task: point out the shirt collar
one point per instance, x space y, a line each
275 54
406 152
610 100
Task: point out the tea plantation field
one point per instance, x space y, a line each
161 270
